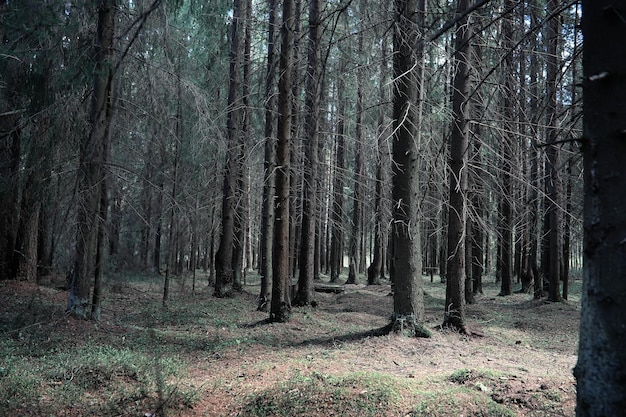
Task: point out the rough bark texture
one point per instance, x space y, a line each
553 180
224 255
505 222
408 305
457 211
601 368
311 159
267 221
281 303
92 159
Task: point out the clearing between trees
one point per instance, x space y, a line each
203 356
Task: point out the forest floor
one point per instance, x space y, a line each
202 356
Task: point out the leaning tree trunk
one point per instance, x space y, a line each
92 159
601 368
280 308
408 300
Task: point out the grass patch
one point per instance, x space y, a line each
104 380
360 394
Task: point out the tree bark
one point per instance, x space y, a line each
506 148
304 295
375 270
408 305
267 221
92 159
224 254
336 240
601 368
280 309
457 213
553 180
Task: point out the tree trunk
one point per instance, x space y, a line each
304 295
601 368
280 309
267 221
336 240
553 180
408 300
457 212
242 209
375 270
224 255
92 159
506 148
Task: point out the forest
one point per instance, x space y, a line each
256 162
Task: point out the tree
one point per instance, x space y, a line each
336 239
281 284
224 255
459 149
91 170
376 269
408 299
267 221
505 220
601 357
553 177
311 127
356 244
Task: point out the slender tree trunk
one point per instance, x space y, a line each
281 286
553 186
375 270
311 126
336 242
90 170
457 212
242 209
534 201
267 221
601 369
506 145
172 240
224 255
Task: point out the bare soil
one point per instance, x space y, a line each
522 360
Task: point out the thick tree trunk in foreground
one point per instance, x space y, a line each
601 368
408 300
280 308
91 168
